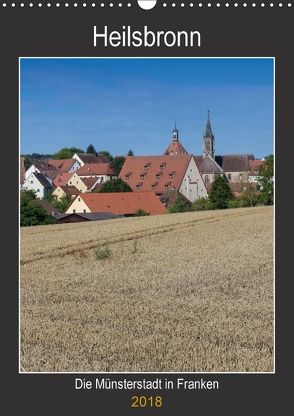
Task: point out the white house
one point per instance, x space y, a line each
42 166
101 171
38 183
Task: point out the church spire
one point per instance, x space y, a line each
208 130
208 139
175 132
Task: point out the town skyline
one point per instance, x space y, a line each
123 104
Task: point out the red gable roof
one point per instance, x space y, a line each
123 203
154 173
175 148
89 182
90 158
95 169
69 190
62 179
63 165
255 165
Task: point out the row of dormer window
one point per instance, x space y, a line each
154 185
143 175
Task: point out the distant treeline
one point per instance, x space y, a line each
34 156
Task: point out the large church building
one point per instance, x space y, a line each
177 171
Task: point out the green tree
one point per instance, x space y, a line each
31 212
220 193
115 185
182 204
141 213
130 153
34 156
27 162
105 153
66 153
249 196
60 204
266 182
201 204
117 164
91 149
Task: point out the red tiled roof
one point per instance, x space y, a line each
90 158
164 165
254 165
63 165
62 179
70 190
95 169
123 203
89 182
97 187
175 148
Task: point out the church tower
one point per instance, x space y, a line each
175 147
208 140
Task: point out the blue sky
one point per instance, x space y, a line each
122 104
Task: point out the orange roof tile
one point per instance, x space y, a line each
123 203
89 182
62 179
255 165
63 165
158 170
69 190
95 169
175 148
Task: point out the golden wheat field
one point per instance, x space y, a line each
179 292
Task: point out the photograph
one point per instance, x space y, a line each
146 215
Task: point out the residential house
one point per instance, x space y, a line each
101 171
38 183
62 191
65 165
86 158
119 203
70 179
42 166
253 174
159 174
92 184
49 208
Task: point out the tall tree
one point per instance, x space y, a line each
266 173
181 204
61 204
249 196
220 193
115 185
27 162
66 153
105 153
130 153
31 213
116 164
91 149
